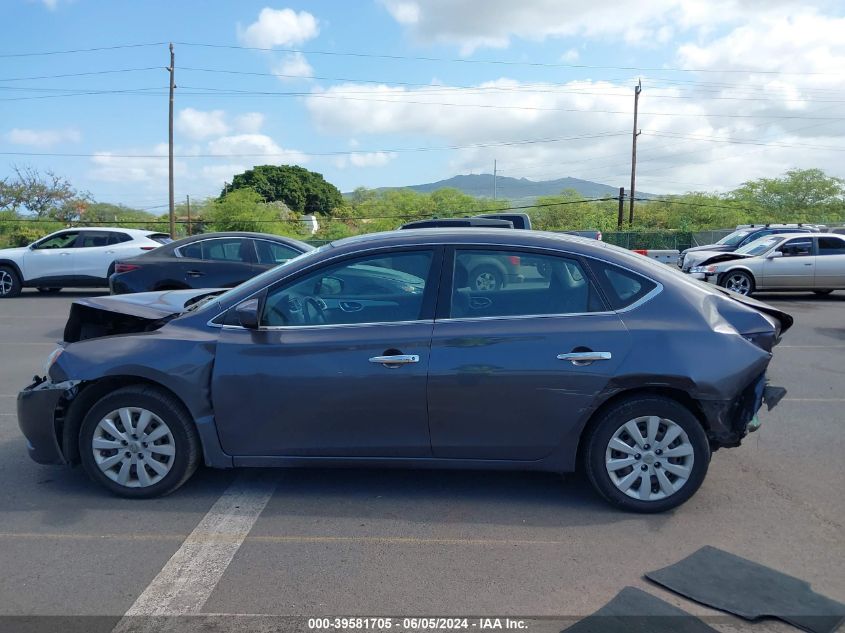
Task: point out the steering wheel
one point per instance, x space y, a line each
314 310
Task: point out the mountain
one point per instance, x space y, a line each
516 189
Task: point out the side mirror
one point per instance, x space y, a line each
248 314
774 254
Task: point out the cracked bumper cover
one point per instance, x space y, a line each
37 407
728 422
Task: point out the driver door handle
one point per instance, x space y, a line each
398 359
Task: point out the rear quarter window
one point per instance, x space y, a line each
622 287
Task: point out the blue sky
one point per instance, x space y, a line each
766 76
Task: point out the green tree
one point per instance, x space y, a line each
807 195
303 191
245 210
46 195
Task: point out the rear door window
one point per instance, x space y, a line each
228 249
274 253
492 283
831 246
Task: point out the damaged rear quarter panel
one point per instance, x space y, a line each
699 348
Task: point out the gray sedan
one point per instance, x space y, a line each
779 263
378 351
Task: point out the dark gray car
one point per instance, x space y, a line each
376 351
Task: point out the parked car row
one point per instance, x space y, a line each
778 258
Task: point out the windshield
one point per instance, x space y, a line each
734 238
258 281
758 247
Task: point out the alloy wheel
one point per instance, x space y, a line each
738 283
649 458
485 281
133 447
6 282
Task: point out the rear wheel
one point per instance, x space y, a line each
647 454
139 442
10 283
738 281
485 279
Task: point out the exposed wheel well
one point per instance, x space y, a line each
13 266
678 395
89 392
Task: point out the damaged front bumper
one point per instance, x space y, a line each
729 422
39 407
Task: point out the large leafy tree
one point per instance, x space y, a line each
303 191
46 195
798 195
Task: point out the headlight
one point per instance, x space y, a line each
703 269
54 355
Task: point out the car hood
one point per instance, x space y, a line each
716 258
716 248
13 252
95 317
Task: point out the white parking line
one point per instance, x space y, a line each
187 580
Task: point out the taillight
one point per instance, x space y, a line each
148 248
125 268
514 260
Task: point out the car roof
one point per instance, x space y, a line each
471 235
245 234
111 229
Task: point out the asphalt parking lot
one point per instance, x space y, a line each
369 543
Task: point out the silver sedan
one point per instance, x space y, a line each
779 263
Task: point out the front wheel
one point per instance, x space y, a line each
738 281
647 454
10 283
139 442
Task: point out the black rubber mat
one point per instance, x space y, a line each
635 611
752 591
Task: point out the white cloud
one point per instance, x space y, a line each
150 166
461 23
42 138
292 66
200 124
403 11
570 56
259 148
365 159
249 122
280 27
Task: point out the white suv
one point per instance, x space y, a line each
81 257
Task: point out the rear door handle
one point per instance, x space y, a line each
194 273
395 360
584 358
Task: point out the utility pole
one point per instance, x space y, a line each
188 200
621 217
172 200
637 90
494 180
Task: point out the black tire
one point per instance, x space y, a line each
822 293
727 281
10 283
485 278
48 291
612 420
186 450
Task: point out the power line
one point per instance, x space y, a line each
92 72
499 61
81 50
332 153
